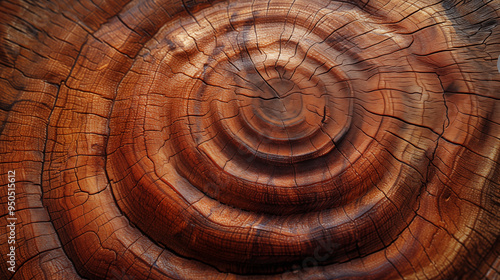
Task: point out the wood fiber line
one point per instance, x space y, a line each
275 139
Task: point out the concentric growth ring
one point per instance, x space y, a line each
268 117
237 138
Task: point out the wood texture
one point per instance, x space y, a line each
300 139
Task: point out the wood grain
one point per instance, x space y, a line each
251 139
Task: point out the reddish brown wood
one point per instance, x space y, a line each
251 139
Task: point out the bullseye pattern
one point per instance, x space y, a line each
253 113
247 139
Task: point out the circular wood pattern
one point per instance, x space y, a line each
252 139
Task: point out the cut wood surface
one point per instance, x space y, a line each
302 139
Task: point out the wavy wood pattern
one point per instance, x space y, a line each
251 139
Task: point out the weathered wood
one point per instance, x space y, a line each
300 139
